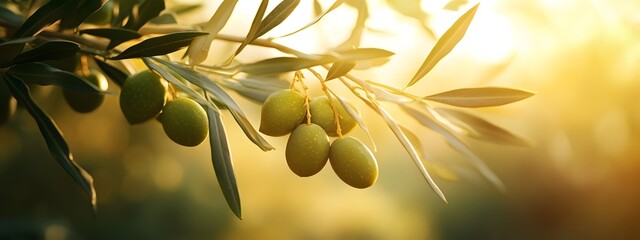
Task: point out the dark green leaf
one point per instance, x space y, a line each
222 164
480 97
46 15
11 49
116 35
52 136
276 16
283 64
222 96
43 74
147 10
75 18
445 44
255 26
52 50
170 77
199 48
125 10
339 69
159 45
335 5
363 54
117 76
165 18
9 16
482 129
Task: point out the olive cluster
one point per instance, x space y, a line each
308 147
143 97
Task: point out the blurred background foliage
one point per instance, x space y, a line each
579 181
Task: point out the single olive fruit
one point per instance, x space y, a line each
142 96
185 121
282 112
353 162
101 16
307 150
322 114
5 102
84 102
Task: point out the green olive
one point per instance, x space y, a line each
322 114
185 121
5 102
101 16
282 112
86 102
142 97
307 150
353 162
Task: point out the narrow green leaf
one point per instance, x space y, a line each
52 50
276 16
159 45
255 26
457 144
335 5
222 163
46 15
116 35
43 74
356 116
359 54
222 96
358 29
480 97
176 82
445 44
406 143
283 64
10 16
11 49
199 48
317 8
52 136
255 88
482 129
339 69
147 10
75 18
165 18
115 74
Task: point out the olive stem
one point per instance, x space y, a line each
325 89
307 106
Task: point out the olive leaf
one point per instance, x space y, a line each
115 35
52 136
408 146
147 10
359 54
412 9
222 164
480 97
283 64
317 8
356 116
255 88
176 82
115 74
222 96
358 29
456 143
11 49
159 45
43 74
253 30
482 129
10 16
335 5
75 18
46 15
51 50
445 44
276 16
339 69
165 18
125 10
199 48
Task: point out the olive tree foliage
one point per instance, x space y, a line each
35 34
